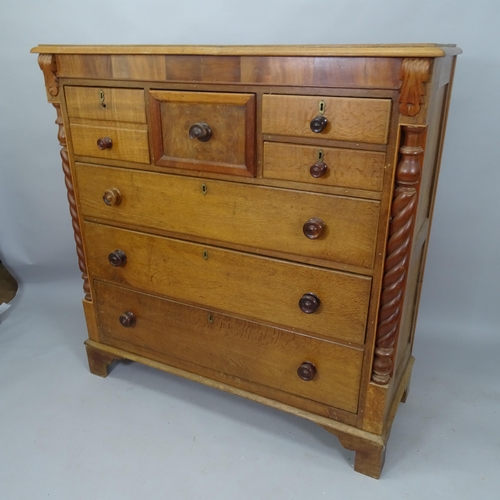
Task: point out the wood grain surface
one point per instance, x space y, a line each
130 141
229 212
349 119
346 167
102 103
253 352
254 287
231 118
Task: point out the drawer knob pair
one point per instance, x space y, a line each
314 228
117 258
127 319
306 371
318 170
309 303
104 143
112 197
319 124
200 131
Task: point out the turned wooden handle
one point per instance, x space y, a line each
306 371
112 197
117 258
127 319
319 124
318 170
309 303
200 131
314 228
104 143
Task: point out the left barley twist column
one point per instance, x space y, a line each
47 63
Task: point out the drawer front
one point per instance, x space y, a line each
207 131
349 119
169 331
337 167
254 287
255 216
94 103
129 142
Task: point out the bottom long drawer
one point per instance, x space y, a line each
256 353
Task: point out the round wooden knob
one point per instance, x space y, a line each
200 131
127 319
314 228
309 303
318 170
112 197
306 371
104 143
117 258
319 124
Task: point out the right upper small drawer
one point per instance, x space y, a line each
340 118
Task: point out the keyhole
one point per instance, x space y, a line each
322 107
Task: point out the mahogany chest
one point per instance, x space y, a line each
257 218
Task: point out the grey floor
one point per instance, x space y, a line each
144 434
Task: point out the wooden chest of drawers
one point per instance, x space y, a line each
257 218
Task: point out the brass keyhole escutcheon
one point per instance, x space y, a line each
102 97
205 254
321 107
210 318
321 155
204 188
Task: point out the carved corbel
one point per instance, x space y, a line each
48 65
403 214
61 136
414 75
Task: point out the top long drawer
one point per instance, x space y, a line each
334 228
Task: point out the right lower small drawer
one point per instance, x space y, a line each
347 168
319 370
347 118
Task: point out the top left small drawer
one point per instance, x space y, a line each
108 124
94 103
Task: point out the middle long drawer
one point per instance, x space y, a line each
259 288
340 229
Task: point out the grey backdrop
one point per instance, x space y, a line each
447 437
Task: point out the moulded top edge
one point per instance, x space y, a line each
392 50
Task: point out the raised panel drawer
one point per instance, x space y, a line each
169 331
251 286
349 119
347 168
256 216
207 131
108 104
129 141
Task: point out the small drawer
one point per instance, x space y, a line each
110 140
206 131
332 304
173 333
343 118
254 216
347 168
108 104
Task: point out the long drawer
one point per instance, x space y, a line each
170 331
256 216
247 285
